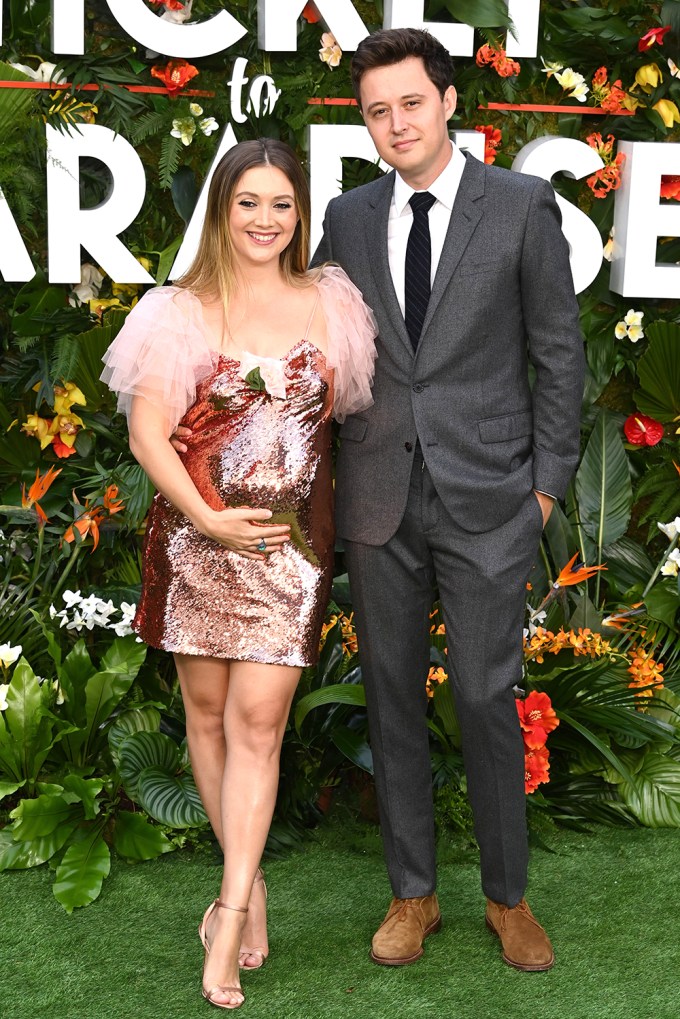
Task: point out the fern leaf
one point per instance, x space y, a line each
169 160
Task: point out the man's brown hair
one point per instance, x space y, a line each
392 45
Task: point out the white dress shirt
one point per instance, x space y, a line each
444 189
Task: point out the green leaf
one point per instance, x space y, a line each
33 853
7 788
355 748
659 373
136 839
255 380
166 260
608 754
654 795
34 303
81 873
603 485
87 790
338 693
40 816
445 710
184 193
144 750
146 719
662 603
171 799
479 13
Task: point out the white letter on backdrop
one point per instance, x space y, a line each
68 26
458 39
525 15
544 157
187 252
96 229
189 41
640 218
15 262
278 23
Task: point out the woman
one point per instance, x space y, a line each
253 354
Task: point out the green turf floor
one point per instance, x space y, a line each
609 899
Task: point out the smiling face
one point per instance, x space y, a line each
263 215
407 119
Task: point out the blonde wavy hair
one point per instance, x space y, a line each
212 272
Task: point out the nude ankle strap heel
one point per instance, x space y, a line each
202 933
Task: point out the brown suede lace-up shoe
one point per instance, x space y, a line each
399 939
526 946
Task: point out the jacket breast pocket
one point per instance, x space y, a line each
507 427
353 429
479 268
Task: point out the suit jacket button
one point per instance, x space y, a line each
408 446
418 388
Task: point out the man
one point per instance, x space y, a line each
449 477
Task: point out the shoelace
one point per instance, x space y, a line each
521 907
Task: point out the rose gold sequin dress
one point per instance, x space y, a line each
247 448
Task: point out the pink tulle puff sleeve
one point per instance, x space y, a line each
351 351
161 353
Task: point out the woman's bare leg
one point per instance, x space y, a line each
256 711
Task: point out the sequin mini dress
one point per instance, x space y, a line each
249 447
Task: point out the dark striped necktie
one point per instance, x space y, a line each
418 265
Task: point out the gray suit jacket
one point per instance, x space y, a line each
502 299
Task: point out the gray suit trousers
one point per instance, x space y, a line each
481 579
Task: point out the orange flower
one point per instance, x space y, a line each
536 768
175 75
61 449
87 523
492 138
497 57
670 186
536 719
311 14
646 673
111 501
349 637
582 642
616 100
435 677
600 77
571 574
30 499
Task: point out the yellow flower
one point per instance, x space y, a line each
648 77
65 396
37 428
67 427
144 262
668 112
125 289
98 307
435 677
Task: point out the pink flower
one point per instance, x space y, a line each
272 372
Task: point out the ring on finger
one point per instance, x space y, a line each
262 547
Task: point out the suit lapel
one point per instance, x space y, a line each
375 227
465 216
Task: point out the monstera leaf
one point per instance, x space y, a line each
659 373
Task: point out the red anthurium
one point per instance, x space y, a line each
311 14
642 430
653 37
536 768
175 75
536 719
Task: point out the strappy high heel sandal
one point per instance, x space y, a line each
202 933
257 952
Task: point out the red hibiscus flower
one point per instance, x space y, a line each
311 14
536 768
536 719
642 430
174 75
654 36
670 186
492 138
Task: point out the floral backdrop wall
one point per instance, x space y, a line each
92 752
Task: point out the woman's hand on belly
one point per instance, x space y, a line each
243 530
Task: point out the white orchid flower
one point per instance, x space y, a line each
330 52
195 110
551 67
72 598
184 128
671 530
672 565
573 83
208 125
9 654
4 687
45 72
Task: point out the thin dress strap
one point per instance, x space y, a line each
311 317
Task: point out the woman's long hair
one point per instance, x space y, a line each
212 272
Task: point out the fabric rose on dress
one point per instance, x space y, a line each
270 371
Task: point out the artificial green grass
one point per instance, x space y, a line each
609 900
